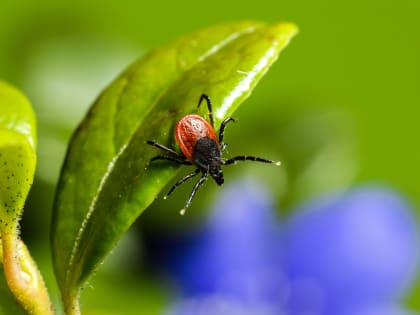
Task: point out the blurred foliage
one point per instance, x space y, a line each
338 108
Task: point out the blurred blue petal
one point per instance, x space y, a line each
236 255
220 305
361 248
379 310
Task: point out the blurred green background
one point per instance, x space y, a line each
339 107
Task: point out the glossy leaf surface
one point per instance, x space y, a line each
17 155
106 182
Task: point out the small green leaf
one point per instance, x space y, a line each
106 182
17 155
17 168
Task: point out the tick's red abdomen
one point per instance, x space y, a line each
188 130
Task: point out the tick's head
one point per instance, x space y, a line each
217 173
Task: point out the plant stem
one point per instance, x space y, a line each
71 303
23 277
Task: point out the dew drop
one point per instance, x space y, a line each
182 211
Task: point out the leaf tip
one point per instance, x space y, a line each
287 28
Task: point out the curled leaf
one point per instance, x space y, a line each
106 182
17 169
17 155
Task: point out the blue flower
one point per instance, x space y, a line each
356 251
347 254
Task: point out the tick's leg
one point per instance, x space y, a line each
235 159
222 129
176 159
202 97
162 147
182 180
193 192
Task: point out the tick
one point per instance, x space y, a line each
201 148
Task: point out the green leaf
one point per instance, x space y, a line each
106 182
17 155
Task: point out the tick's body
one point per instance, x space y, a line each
200 147
189 131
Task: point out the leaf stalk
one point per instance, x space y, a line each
23 276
